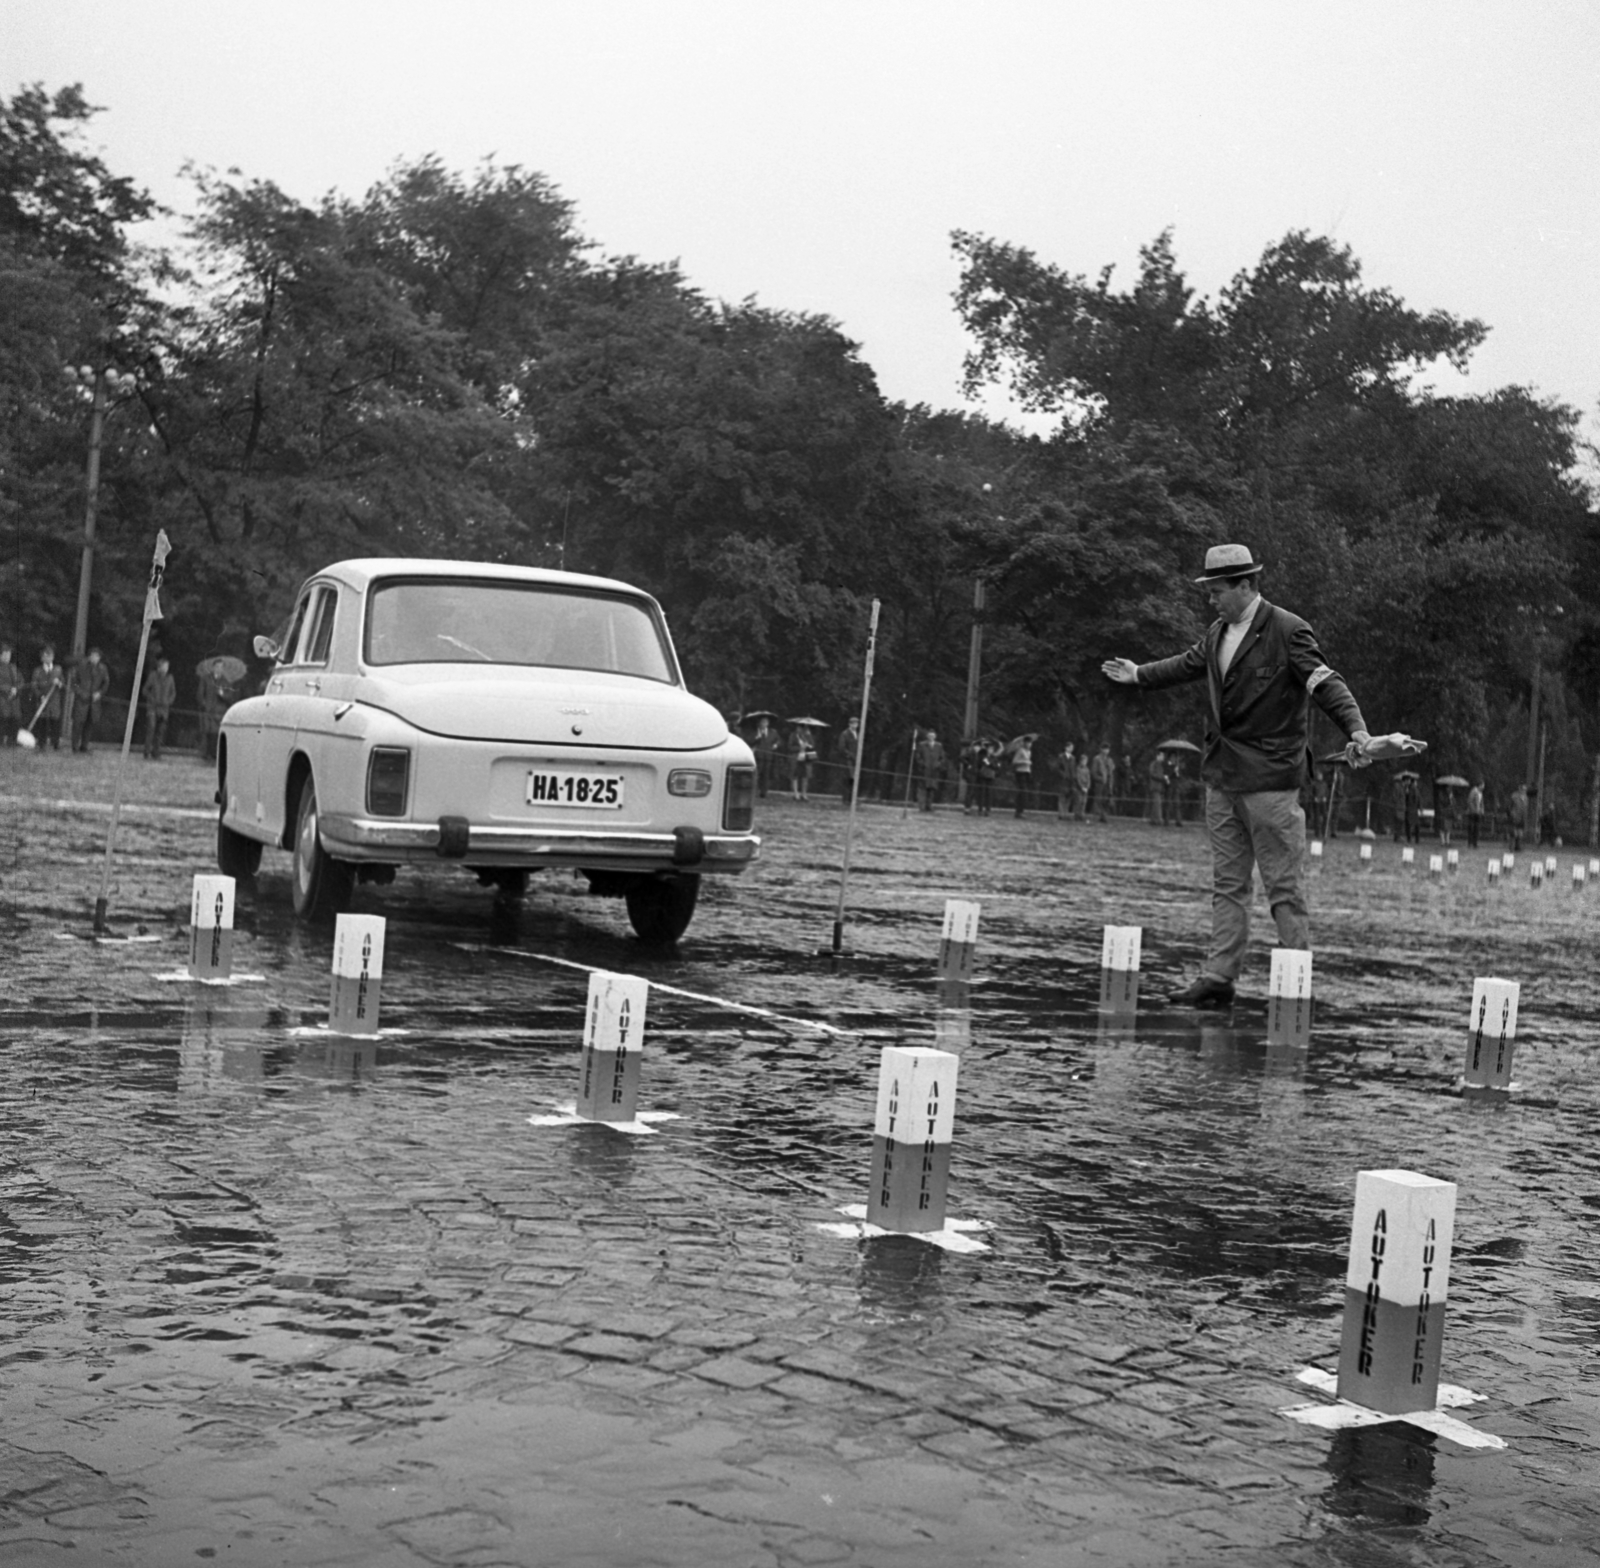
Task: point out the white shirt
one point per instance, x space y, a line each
1234 635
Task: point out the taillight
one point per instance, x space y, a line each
388 772
689 781
739 803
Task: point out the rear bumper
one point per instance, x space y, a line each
372 839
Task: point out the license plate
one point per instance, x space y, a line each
561 787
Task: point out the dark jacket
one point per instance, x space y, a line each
1258 727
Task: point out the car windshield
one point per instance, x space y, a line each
456 620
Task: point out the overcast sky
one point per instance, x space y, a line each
817 155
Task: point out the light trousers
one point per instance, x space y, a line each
1263 829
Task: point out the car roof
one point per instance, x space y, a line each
362 571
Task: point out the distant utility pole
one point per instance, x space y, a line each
969 723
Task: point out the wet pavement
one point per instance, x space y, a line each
271 1297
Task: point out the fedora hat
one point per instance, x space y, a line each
1228 560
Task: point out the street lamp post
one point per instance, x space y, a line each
101 382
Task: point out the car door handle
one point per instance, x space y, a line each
313 687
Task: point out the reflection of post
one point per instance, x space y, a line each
1395 1289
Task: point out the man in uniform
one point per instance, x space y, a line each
1263 670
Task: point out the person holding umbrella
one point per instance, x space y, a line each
764 743
1263 670
802 753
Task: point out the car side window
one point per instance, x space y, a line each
319 639
289 646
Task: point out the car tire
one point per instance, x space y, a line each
237 856
321 884
660 908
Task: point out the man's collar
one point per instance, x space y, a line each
1250 611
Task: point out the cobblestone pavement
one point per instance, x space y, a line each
270 1298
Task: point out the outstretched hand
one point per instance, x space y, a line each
1365 749
1124 671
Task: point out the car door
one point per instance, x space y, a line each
287 688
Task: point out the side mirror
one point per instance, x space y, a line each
266 648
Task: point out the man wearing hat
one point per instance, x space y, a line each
1263 670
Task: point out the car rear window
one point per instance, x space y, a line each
457 620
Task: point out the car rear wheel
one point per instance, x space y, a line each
322 885
237 856
660 908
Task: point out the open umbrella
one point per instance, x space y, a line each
1177 745
223 668
1453 781
1406 773
757 713
810 724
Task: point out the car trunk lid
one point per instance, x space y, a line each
545 708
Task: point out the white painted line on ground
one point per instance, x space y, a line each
128 807
658 985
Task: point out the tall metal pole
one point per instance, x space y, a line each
1533 715
969 723
80 627
1594 805
855 783
1538 794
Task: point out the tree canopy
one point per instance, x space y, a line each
444 364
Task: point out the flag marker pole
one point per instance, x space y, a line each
855 784
152 612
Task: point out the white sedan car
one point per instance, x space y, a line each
498 716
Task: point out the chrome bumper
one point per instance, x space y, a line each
374 839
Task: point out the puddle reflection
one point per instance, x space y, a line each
901 1276
1381 1474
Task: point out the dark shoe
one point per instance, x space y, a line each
1207 991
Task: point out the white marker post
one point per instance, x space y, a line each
1507 861
1492 1033
1316 849
1120 950
1435 866
1408 856
911 1139
958 944
1578 877
1535 873
1551 865
1395 1290
1494 871
1365 854
613 1045
1594 868
211 928
1289 997
1452 861
354 998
